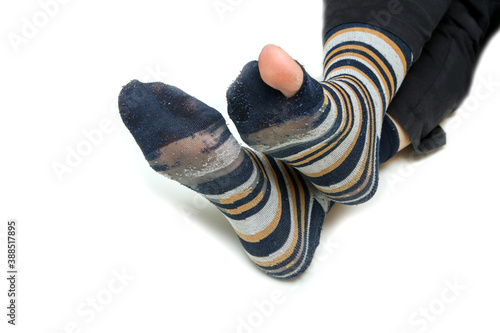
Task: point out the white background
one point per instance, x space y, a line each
434 220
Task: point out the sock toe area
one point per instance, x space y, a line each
255 106
158 114
246 94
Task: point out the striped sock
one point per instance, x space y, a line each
276 213
329 131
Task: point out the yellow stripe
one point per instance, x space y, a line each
255 201
277 217
309 151
347 124
347 153
247 206
345 116
243 194
372 107
379 61
375 33
256 161
290 250
360 84
365 161
302 216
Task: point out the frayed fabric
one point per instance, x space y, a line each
331 130
276 213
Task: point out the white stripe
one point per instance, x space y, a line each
262 219
301 138
373 90
341 149
293 230
305 239
237 190
382 46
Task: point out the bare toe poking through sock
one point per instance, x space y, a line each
329 131
280 71
274 102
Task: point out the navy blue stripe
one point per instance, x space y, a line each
278 237
389 66
352 160
332 137
375 62
294 257
262 178
371 175
405 49
249 213
366 173
344 133
261 186
316 223
229 181
368 72
331 133
322 116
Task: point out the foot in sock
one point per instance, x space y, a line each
276 213
329 131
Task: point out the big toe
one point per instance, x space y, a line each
280 71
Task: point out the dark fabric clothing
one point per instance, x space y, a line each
446 38
389 141
411 20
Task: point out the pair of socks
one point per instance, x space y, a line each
321 146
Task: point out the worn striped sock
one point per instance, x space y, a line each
276 213
329 131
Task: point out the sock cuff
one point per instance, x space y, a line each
389 140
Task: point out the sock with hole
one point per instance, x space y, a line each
276 213
329 131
